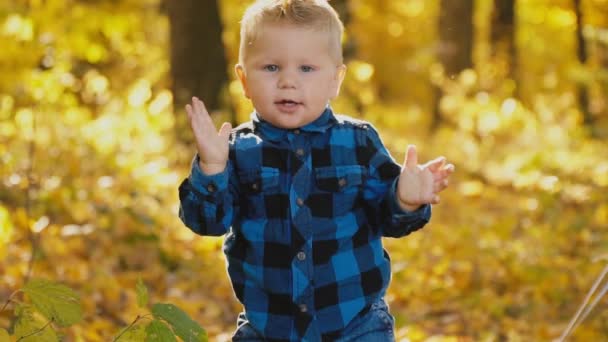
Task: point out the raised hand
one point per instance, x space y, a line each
212 145
421 184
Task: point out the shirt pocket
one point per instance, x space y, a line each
343 178
256 185
341 185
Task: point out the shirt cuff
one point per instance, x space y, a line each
400 215
204 184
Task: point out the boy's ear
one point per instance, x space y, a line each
240 73
340 73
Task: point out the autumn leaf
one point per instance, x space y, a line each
4 337
159 331
142 293
90 139
55 301
31 328
181 323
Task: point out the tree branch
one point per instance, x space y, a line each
10 299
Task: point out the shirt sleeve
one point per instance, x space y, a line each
206 202
380 192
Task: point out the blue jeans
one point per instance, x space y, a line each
374 326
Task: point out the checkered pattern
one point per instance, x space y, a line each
304 212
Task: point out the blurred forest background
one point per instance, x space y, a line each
93 145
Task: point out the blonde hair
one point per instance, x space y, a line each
313 14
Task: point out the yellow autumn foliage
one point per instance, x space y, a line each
90 164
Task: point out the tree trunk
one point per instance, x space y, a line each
198 62
456 35
503 36
600 110
583 92
455 51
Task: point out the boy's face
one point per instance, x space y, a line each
290 74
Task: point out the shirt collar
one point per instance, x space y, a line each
320 125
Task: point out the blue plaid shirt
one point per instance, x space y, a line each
304 211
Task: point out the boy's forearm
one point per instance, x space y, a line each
201 218
206 199
204 202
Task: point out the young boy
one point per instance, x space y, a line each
304 195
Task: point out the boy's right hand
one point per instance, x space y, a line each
212 146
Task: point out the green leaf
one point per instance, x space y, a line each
55 301
31 325
182 324
4 337
142 293
135 333
159 331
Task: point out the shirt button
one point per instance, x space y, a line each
300 202
254 186
211 187
301 256
303 308
342 182
300 152
296 131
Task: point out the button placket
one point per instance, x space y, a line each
301 215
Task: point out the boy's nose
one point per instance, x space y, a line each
287 80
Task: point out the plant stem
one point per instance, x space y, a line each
128 328
28 199
35 332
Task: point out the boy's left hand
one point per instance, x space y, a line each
421 184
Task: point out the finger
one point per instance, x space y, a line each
194 109
195 105
189 110
439 186
225 130
206 115
199 107
444 172
435 164
201 116
411 157
450 168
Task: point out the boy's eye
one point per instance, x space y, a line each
271 67
306 68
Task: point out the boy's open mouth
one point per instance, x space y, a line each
288 102
288 106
